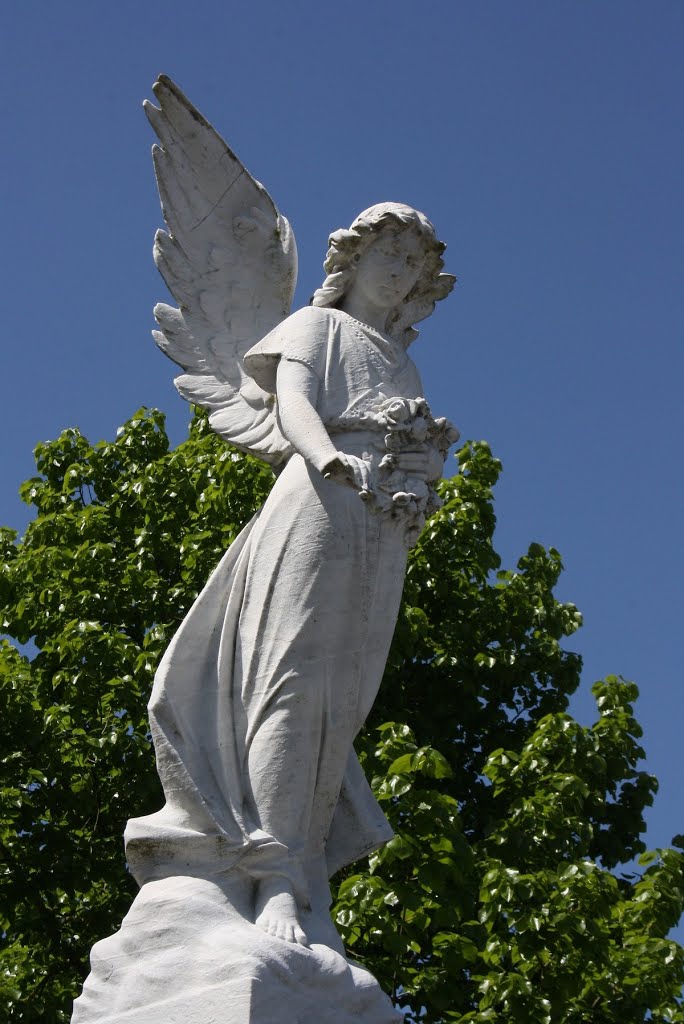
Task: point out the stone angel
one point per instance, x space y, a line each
258 698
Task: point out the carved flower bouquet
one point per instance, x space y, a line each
415 447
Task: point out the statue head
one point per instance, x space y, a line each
346 247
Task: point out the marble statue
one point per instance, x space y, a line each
258 698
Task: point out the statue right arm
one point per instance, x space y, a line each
297 392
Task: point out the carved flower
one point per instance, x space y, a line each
396 410
419 428
448 431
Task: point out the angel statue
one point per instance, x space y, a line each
274 670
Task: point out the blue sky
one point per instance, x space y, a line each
543 139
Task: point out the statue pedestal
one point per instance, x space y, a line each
185 954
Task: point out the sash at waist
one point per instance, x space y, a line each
364 443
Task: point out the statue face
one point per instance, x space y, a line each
390 266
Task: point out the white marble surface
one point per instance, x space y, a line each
185 954
259 696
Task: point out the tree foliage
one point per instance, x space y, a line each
498 900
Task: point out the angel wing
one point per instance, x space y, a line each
229 260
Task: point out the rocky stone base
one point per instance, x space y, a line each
186 954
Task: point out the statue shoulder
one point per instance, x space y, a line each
302 336
309 316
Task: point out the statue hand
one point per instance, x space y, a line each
426 463
350 471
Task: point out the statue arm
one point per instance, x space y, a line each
297 391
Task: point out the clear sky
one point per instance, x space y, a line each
545 141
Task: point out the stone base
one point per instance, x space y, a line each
186 955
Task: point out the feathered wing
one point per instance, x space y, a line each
229 260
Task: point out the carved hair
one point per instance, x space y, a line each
346 247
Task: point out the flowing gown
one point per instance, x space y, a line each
258 698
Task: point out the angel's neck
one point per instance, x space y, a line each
362 309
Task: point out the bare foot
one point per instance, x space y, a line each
276 911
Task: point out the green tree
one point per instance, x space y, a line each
498 899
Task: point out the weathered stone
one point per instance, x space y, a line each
259 696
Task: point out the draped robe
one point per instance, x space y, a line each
277 664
